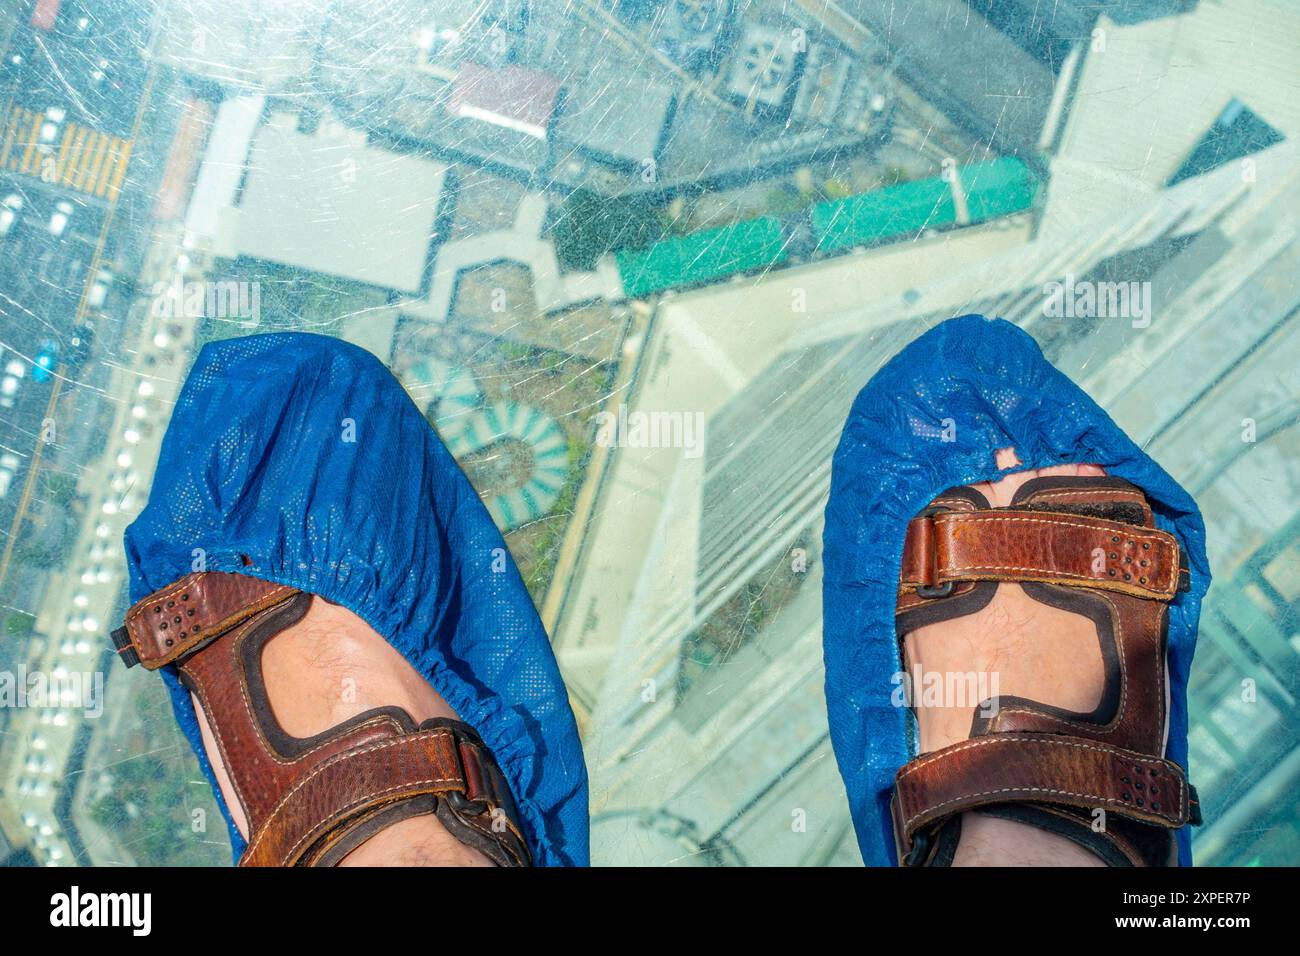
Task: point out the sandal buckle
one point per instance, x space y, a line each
920 849
947 587
463 804
936 591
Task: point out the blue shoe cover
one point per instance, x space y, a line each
930 419
305 454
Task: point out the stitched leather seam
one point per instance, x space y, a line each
335 818
237 617
135 616
176 587
215 727
1182 799
1019 739
1092 797
954 501
190 582
1062 520
1159 536
371 748
986 517
1016 738
1137 590
1087 494
1134 758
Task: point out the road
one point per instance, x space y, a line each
77 101
81 597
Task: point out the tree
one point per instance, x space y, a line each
588 225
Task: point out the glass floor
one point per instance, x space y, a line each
634 258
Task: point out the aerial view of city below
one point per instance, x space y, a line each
633 260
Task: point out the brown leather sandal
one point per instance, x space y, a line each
1083 544
310 802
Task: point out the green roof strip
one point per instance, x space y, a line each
883 214
997 188
702 256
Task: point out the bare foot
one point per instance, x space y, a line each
1030 650
331 666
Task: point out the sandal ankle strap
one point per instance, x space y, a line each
1040 768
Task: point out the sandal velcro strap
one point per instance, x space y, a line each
340 794
181 618
1037 768
1014 544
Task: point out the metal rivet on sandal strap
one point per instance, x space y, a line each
1113 555
1115 539
1155 807
158 609
1146 545
170 642
1140 802
1142 580
1126 796
185 596
189 612
1111 572
163 626
171 603
1128 577
176 619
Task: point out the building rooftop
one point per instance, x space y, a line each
618 122
330 203
965 66
1149 100
515 97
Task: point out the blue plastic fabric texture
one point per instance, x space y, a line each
986 385
305 454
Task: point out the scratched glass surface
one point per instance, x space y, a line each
634 257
